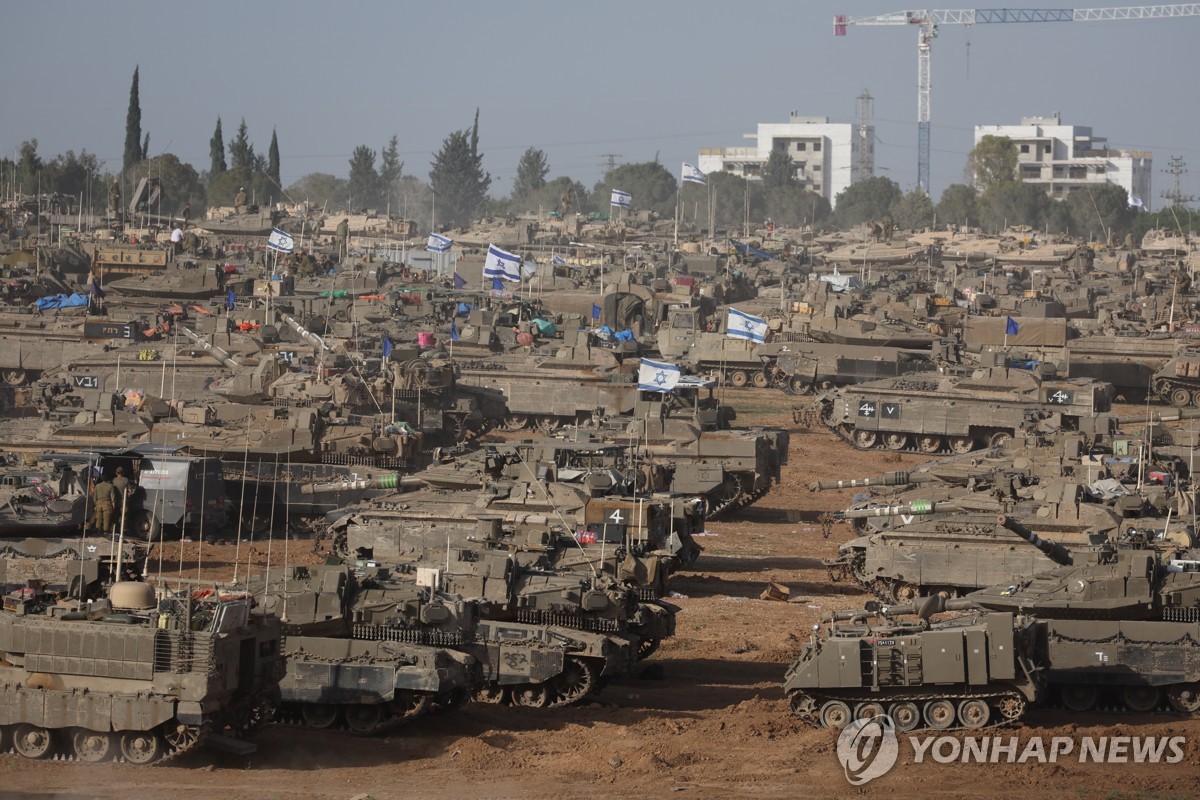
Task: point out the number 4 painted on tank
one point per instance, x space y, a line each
617 517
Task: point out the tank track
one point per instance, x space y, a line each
60 750
1016 705
291 715
840 570
585 674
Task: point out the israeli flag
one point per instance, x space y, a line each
740 325
502 264
558 261
528 268
283 242
438 243
621 199
692 174
1136 202
657 376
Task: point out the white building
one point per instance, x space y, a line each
825 154
1063 158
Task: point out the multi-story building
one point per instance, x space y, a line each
1065 158
825 154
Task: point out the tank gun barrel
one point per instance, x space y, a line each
898 478
305 333
1055 552
389 481
218 353
1174 415
914 508
926 607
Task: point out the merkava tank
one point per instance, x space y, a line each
181 281
136 675
363 653
801 368
40 499
967 672
935 413
80 568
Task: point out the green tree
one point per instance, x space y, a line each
241 151
794 206
457 177
216 151
29 165
1097 210
914 211
729 194
391 169
1013 203
871 199
959 205
273 159
319 188
179 180
549 198
992 162
531 173
652 185
133 127
364 179
778 171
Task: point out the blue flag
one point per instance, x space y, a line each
459 281
558 261
595 311
387 347
497 285
453 331
230 299
1010 327
462 309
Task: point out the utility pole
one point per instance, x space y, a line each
1175 196
610 161
866 137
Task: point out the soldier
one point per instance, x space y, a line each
186 213
121 483
104 495
888 225
343 238
114 198
239 201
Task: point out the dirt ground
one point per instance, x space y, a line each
715 724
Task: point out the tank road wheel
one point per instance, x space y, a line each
1079 696
974 714
490 693
804 707
180 736
1141 698
1184 697
906 592
647 647
1011 708
928 443
825 386
835 714
906 716
319 715
724 497
141 747
361 718
961 444
738 378
895 441
14 377
760 380
865 440
1179 397
410 704
940 714
799 386
531 695
1000 439
575 682
548 423
516 422
1196 399
91 746
32 741
868 711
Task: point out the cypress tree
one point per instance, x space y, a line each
133 126
273 159
216 151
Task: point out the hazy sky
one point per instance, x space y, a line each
633 78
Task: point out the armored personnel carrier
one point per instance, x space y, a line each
963 673
937 413
1178 381
135 675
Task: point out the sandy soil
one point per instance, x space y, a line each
716 724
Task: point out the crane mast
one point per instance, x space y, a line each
928 22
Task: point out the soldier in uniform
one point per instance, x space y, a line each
239 201
343 238
114 198
104 496
121 483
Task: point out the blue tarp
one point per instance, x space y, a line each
463 308
750 250
545 328
62 301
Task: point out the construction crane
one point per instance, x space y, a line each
928 22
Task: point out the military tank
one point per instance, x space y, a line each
356 650
967 672
935 413
1178 380
77 568
137 675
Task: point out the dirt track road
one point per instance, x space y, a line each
715 725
